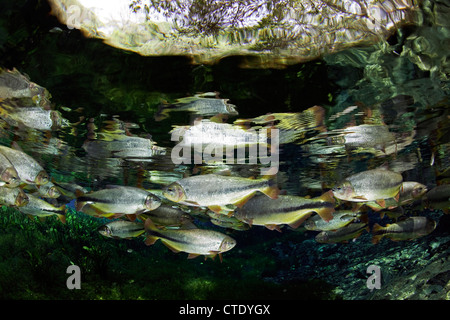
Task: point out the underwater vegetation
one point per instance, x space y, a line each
295 181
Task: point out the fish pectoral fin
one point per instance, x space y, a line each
359 198
213 254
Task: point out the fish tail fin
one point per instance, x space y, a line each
377 233
62 218
364 218
376 228
271 190
163 112
319 117
327 213
62 215
149 240
150 228
79 193
328 197
149 225
376 238
79 205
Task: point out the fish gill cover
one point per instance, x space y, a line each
299 180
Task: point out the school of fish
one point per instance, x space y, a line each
232 197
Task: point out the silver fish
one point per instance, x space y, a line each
28 169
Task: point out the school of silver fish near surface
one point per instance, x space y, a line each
231 195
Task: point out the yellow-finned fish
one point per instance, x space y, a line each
119 200
40 208
375 136
206 133
200 104
349 232
212 190
13 197
407 229
286 209
193 241
69 189
376 184
293 126
341 218
122 229
28 169
226 221
168 216
409 192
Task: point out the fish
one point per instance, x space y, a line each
122 229
49 190
168 216
349 232
32 117
8 174
226 221
406 229
213 191
195 242
122 146
69 189
235 225
375 136
206 133
370 185
40 208
286 209
118 200
28 169
200 104
410 191
13 196
341 218
438 198
13 84
293 126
